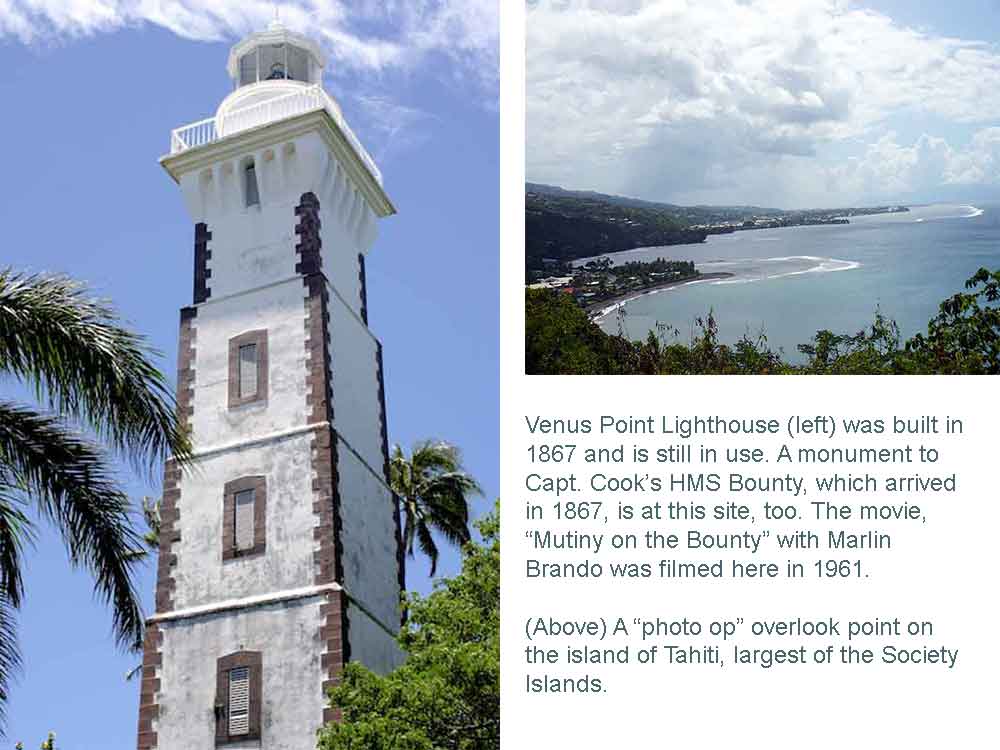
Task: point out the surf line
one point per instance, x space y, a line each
823 265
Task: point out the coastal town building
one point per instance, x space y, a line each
280 553
552 282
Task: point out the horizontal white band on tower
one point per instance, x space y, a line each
248 602
291 432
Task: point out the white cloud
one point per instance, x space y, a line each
704 99
397 127
888 168
371 38
363 35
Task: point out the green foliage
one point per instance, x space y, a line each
563 228
433 489
48 744
561 340
87 367
964 338
89 373
151 515
446 696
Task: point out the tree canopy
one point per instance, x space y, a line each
963 338
446 695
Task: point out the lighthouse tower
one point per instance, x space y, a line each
280 556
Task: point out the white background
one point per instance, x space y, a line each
944 571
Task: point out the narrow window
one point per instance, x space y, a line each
298 64
244 513
248 69
248 371
238 698
247 368
243 520
253 195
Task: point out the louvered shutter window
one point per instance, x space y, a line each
244 531
248 370
239 701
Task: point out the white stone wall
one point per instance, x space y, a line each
340 255
255 245
280 309
252 247
370 644
287 635
353 373
253 285
368 532
369 554
201 575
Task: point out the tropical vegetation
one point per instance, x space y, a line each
97 398
446 695
962 339
434 491
48 744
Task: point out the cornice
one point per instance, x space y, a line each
273 133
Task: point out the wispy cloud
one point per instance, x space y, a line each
380 41
361 35
396 127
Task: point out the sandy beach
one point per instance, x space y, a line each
606 306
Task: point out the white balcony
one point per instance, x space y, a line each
297 102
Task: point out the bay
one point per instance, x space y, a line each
791 282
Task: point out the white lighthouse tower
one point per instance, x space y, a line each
280 556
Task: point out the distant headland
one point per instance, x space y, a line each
562 226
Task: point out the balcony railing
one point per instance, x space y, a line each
308 99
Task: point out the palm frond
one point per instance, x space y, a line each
67 478
450 521
409 528
428 546
431 457
15 532
72 349
10 656
433 490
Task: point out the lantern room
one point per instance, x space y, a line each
276 55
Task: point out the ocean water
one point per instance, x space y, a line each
795 281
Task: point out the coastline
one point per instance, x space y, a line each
598 311
605 307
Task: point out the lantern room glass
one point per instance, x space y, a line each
274 62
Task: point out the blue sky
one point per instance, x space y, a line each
88 109
789 104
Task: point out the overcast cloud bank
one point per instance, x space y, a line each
767 101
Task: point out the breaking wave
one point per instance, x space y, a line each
764 269
971 212
748 271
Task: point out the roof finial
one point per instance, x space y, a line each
276 23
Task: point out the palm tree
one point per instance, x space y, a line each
433 490
89 375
